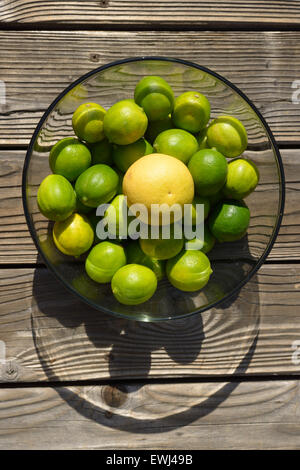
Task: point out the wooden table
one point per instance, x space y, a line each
74 378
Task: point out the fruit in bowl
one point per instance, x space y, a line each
120 177
121 125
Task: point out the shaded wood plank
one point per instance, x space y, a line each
16 245
52 336
249 415
36 66
151 12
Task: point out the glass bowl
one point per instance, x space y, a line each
233 264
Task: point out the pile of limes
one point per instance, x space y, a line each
153 149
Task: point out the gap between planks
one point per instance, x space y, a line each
237 379
213 26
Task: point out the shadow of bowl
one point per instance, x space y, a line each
75 342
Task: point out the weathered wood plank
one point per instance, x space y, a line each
16 245
248 415
36 66
151 12
50 335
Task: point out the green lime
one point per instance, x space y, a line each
117 217
200 200
228 135
191 111
202 139
205 245
125 122
189 270
156 127
80 207
56 197
155 96
209 170
104 260
229 220
69 158
135 255
176 143
133 284
126 155
101 152
97 185
161 248
73 236
242 178
87 122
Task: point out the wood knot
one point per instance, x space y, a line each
104 3
94 57
114 396
9 371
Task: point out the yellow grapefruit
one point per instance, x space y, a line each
158 179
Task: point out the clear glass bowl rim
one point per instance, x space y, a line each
230 85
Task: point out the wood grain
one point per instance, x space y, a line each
150 12
253 415
16 245
36 66
52 336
